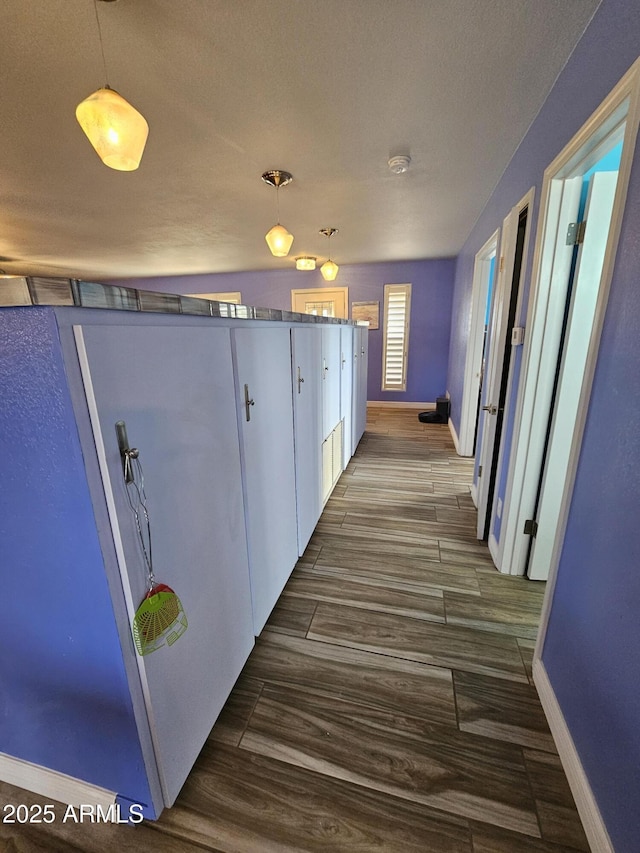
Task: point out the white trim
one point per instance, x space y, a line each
477 311
317 293
586 803
454 436
494 549
390 404
606 119
473 491
101 454
52 784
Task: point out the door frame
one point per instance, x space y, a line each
503 290
473 365
318 293
585 147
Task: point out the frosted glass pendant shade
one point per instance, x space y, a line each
279 241
329 270
117 131
305 263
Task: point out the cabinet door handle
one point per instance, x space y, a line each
300 380
248 402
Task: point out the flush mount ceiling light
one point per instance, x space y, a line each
305 263
329 269
117 131
399 163
278 238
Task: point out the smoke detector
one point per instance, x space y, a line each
399 163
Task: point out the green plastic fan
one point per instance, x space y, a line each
160 618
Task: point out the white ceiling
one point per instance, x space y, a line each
230 88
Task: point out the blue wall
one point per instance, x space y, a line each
431 302
591 648
64 697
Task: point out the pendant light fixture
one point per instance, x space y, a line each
329 269
278 238
305 263
117 131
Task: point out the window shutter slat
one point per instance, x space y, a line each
397 299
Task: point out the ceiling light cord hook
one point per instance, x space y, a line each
104 61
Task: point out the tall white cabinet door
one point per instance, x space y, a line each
331 370
346 391
265 417
307 414
361 360
174 389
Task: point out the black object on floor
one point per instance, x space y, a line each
440 415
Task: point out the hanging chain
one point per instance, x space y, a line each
137 498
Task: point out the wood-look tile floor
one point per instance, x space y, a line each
388 705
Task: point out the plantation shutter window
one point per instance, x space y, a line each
397 301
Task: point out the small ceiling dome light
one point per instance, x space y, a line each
117 131
305 263
278 238
329 269
399 163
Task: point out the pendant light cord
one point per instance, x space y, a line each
104 62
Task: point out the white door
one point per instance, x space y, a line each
346 391
496 342
307 419
265 415
586 287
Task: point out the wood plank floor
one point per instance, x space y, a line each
388 705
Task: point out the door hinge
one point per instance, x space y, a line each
480 471
575 233
531 527
501 269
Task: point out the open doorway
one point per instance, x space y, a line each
573 264
482 292
513 251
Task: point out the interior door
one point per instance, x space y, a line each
584 296
307 414
265 415
321 301
494 370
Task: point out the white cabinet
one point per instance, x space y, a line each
347 334
332 450
361 361
180 414
307 422
265 420
331 370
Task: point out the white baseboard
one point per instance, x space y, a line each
51 784
454 436
473 491
594 827
389 404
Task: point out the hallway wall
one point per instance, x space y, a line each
590 652
431 297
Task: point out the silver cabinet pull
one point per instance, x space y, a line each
248 402
300 380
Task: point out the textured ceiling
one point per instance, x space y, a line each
231 88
